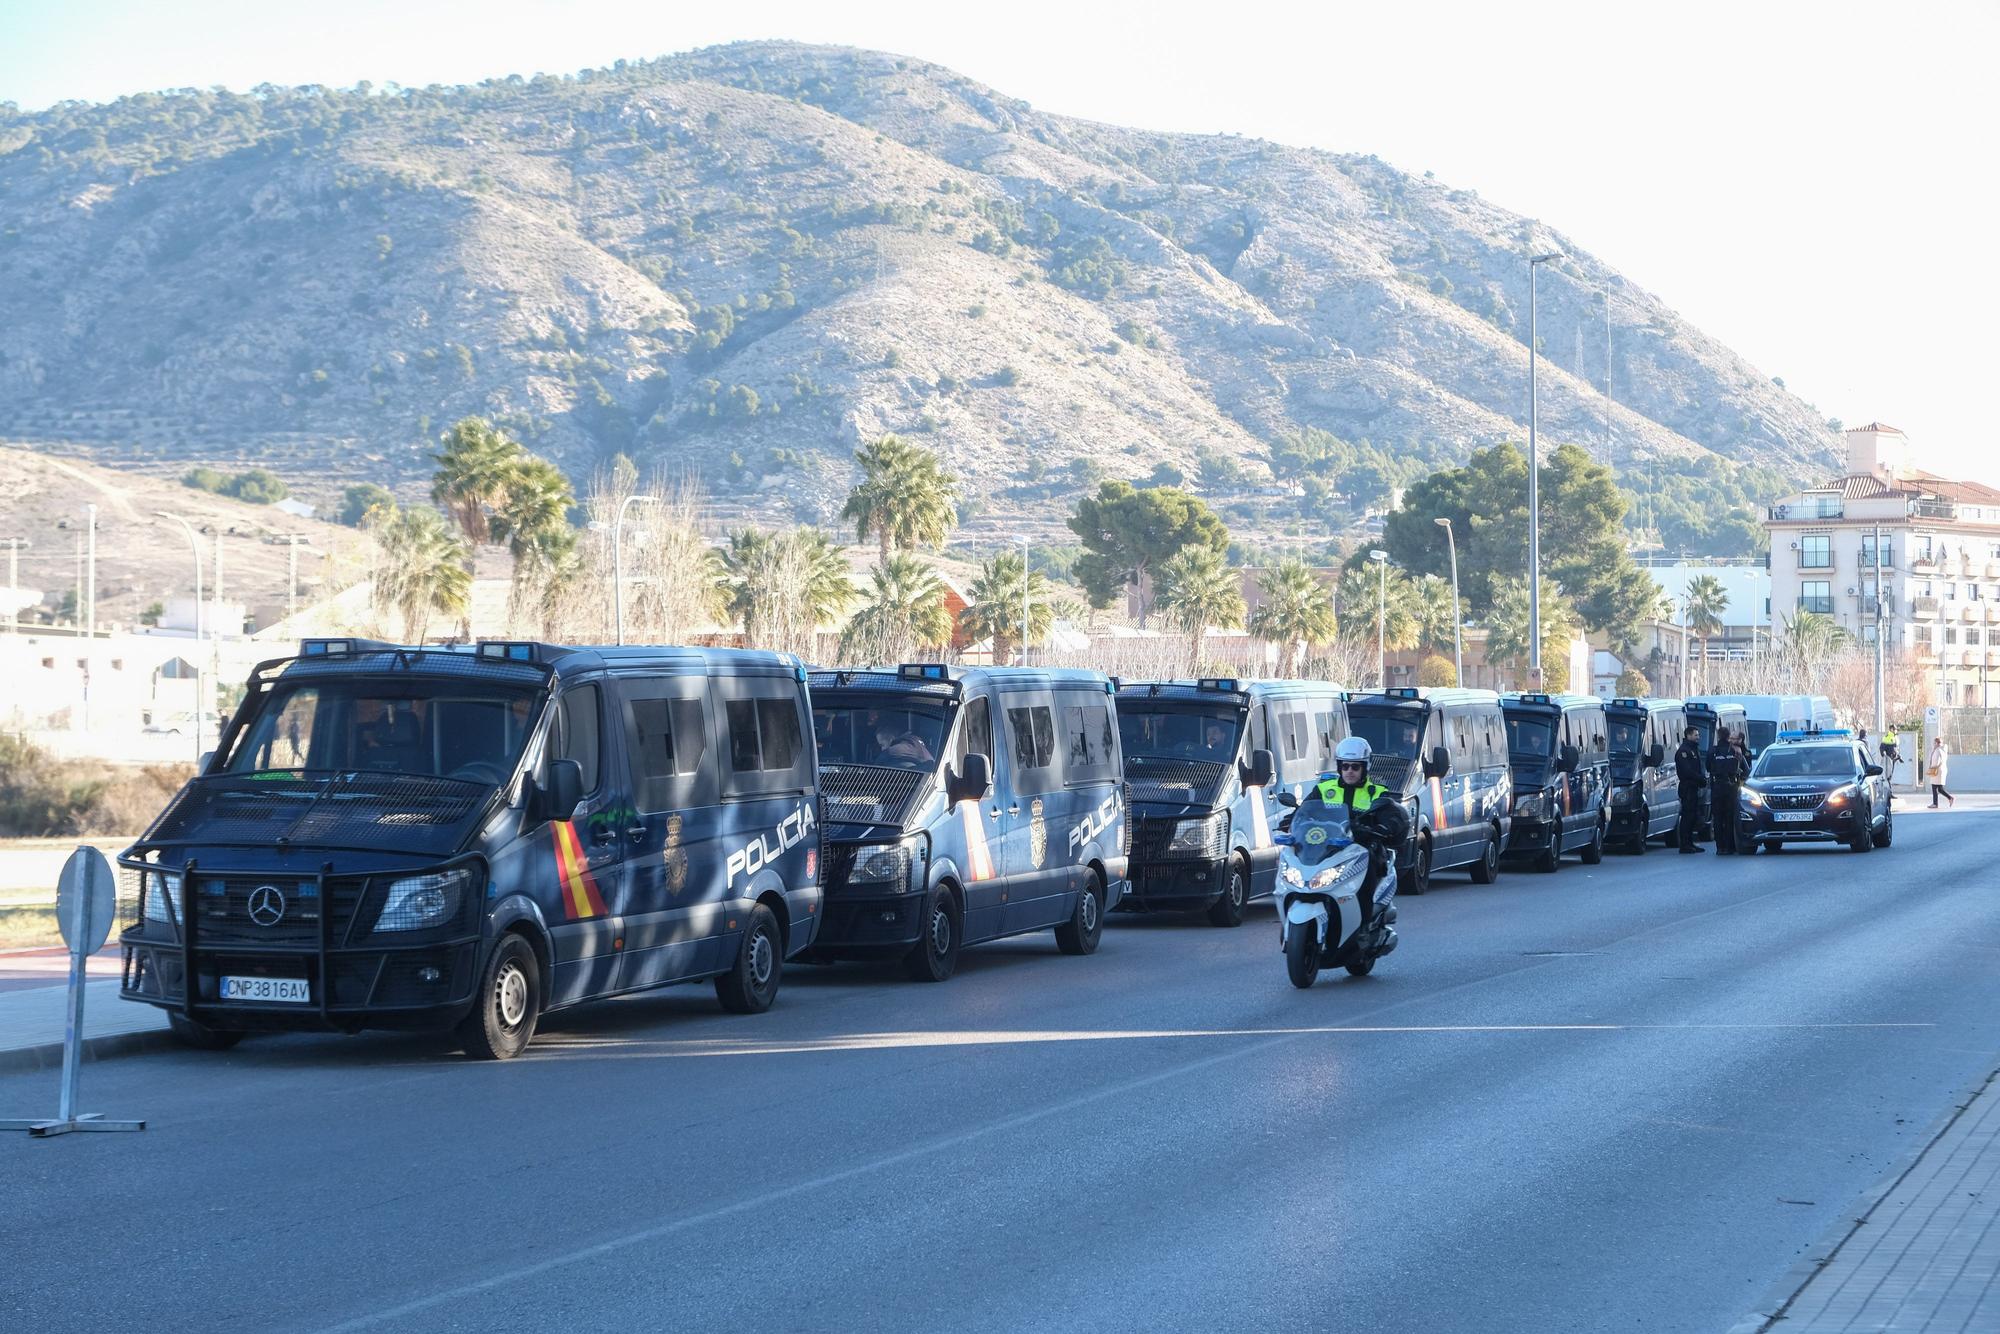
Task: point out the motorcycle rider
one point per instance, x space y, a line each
1375 819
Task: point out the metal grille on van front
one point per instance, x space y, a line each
430 662
865 794
1191 781
337 810
881 680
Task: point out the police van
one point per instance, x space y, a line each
1447 750
1561 764
1768 715
1645 793
963 805
1709 714
1205 761
427 838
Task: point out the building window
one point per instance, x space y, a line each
1868 552
1816 595
1972 638
1868 633
1815 551
1951 634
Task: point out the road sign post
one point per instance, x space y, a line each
86 902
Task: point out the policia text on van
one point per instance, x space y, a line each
405 838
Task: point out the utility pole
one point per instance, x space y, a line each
90 605
1607 387
292 579
1535 263
14 545
1878 635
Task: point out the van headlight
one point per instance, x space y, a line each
418 901
1198 836
1528 804
163 896
883 864
1624 796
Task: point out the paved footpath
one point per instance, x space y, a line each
34 1001
1924 1255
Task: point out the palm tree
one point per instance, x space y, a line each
1431 602
905 612
1509 638
743 576
1295 609
419 568
1706 601
997 597
532 519
905 497
1368 596
475 469
781 587
1199 592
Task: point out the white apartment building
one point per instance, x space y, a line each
1940 560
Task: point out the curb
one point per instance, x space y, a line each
1770 1311
49 1055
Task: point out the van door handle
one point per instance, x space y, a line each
1014 809
993 813
602 834
636 832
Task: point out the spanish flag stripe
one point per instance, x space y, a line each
978 856
580 893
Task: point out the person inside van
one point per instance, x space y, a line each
901 749
1215 739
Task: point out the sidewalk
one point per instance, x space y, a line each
1925 1255
34 1010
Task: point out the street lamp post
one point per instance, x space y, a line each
194 545
1535 263
1024 605
618 563
1457 635
1381 559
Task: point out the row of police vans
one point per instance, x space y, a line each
468 838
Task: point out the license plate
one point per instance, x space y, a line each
1792 817
288 990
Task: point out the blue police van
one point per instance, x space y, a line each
1205 761
1446 750
963 805
392 837
1561 764
1645 794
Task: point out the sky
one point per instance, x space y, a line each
1811 183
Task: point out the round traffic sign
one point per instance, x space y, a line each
87 882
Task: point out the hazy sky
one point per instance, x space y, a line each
1812 183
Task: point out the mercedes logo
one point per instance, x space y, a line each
267 905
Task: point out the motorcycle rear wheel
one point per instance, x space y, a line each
1302 955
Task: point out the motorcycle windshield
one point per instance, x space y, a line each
1319 831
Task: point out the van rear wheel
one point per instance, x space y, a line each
1080 934
507 1005
1591 853
1228 910
934 958
751 983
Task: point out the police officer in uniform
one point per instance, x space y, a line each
1376 819
1725 786
1891 747
1691 770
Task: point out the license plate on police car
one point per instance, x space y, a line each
1792 817
292 990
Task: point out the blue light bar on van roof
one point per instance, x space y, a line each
512 651
1402 692
1535 697
316 648
1215 683
1814 734
923 671
1629 702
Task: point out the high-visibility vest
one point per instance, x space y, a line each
1361 798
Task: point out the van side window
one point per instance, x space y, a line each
1259 737
1325 740
975 734
766 746
1032 728
668 739
1088 741
577 734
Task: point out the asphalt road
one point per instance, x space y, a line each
1618 1098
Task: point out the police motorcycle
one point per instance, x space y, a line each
1336 885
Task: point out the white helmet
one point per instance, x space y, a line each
1353 750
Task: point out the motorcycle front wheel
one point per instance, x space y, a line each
1302 955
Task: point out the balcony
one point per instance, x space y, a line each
1970 612
1811 510
1934 507
1992 611
1924 609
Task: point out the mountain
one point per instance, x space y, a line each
747 260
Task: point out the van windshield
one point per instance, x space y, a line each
1530 736
1158 732
881 733
471 731
1393 734
1762 733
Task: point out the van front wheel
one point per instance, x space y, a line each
507 1005
934 958
1228 910
751 983
1085 927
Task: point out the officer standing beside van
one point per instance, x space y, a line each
1726 772
1690 769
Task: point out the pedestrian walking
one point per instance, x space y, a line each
1939 766
1726 772
1891 753
1691 769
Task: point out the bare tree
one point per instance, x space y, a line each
670 574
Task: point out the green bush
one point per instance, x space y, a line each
44 797
258 486
205 479
357 500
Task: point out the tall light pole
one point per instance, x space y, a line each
1535 263
14 545
1024 606
194 545
1381 559
618 562
1457 635
89 604
1876 545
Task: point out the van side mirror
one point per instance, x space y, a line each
1568 758
974 783
558 799
1261 769
1289 799
1438 764
1657 756
1873 771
